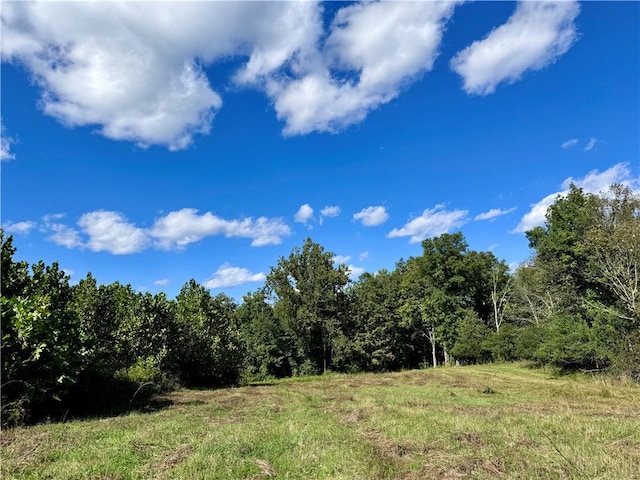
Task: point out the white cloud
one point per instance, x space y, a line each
134 71
5 144
230 276
373 50
161 282
340 259
593 182
355 272
304 214
494 213
111 232
364 256
372 216
179 228
590 144
569 143
65 236
19 227
329 211
535 36
432 222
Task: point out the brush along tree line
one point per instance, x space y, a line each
574 305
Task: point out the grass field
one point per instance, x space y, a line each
486 422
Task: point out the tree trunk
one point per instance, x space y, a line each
432 338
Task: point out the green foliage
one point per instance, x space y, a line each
207 345
43 349
267 345
502 345
146 373
472 341
569 345
309 297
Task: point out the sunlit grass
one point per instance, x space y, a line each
496 421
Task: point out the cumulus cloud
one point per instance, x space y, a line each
304 214
136 72
372 51
492 214
5 144
593 182
140 74
434 221
372 216
569 143
229 276
590 144
22 228
330 211
179 228
536 35
111 232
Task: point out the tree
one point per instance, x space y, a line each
380 341
560 253
208 349
613 248
309 296
42 348
269 348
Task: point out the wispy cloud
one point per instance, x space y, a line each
22 228
590 144
593 182
5 144
229 276
340 259
494 213
364 256
569 143
535 35
432 222
372 216
161 282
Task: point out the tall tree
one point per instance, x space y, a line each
309 295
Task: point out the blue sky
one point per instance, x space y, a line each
154 144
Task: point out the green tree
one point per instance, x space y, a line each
309 296
42 347
380 341
207 349
268 346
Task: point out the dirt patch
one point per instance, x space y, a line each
167 460
469 438
266 470
26 450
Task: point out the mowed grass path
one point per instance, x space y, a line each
486 422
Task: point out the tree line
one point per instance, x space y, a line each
575 304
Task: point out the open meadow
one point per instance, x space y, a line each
480 422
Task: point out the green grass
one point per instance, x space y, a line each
496 421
